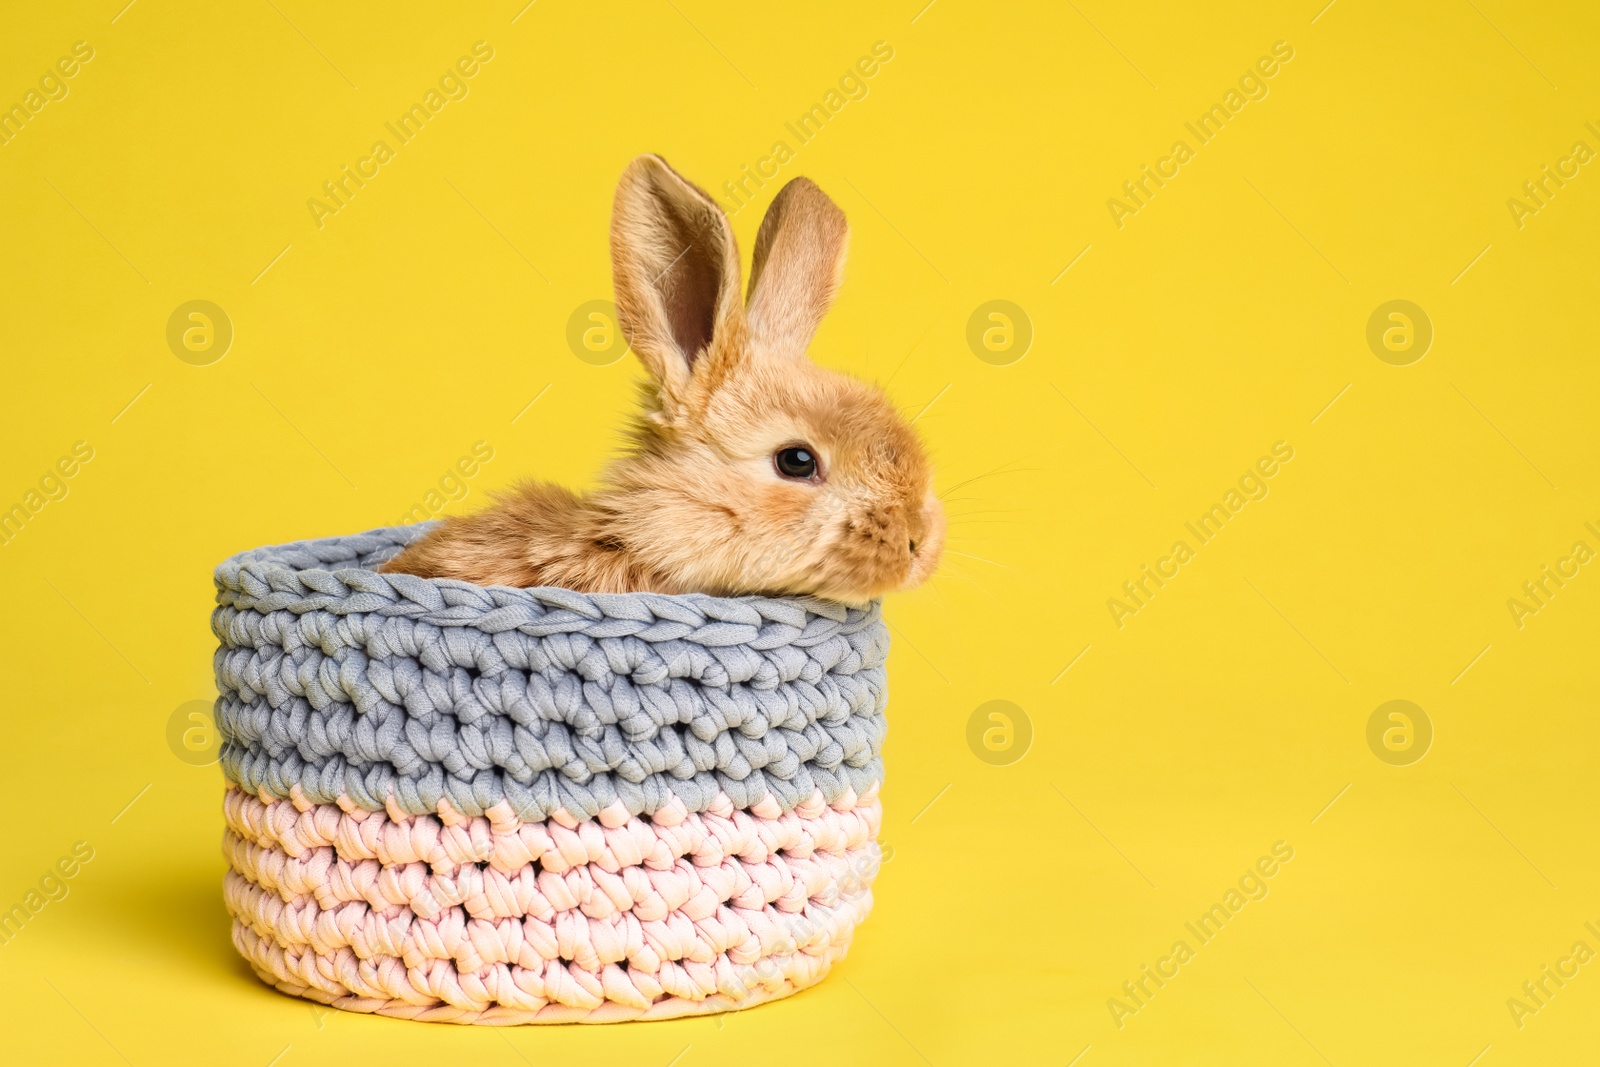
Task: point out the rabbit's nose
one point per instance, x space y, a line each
925 539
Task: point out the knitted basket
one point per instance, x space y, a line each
494 805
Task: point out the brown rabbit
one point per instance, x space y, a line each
750 468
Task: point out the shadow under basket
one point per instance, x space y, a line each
492 805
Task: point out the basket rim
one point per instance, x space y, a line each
268 566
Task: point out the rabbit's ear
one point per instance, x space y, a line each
798 264
676 270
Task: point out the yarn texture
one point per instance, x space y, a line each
486 804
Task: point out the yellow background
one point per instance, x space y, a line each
1223 317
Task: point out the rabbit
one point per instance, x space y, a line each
749 469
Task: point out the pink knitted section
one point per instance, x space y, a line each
491 919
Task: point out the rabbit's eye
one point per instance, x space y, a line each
797 462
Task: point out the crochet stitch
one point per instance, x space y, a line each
499 805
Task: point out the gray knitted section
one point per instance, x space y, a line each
345 681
